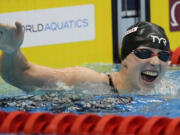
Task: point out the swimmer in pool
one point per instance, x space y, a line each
144 54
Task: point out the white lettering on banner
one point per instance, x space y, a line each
55 25
174 22
159 39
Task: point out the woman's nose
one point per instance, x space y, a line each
154 60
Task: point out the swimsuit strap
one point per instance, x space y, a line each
112 84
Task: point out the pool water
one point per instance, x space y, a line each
164 100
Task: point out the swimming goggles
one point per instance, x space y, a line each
146 53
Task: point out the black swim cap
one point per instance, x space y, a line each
143 34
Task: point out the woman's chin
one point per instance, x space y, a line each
147 86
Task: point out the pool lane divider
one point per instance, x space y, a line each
69 123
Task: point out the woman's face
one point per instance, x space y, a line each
145 73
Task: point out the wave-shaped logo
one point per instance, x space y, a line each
174 15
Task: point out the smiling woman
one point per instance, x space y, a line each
144 54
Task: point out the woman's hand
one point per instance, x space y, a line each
11 37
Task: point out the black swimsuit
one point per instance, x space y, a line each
112 84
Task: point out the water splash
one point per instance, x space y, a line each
63 86
165 87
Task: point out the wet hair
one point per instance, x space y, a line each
143 34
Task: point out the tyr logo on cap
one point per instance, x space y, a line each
159 39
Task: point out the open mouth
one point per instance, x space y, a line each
149 76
